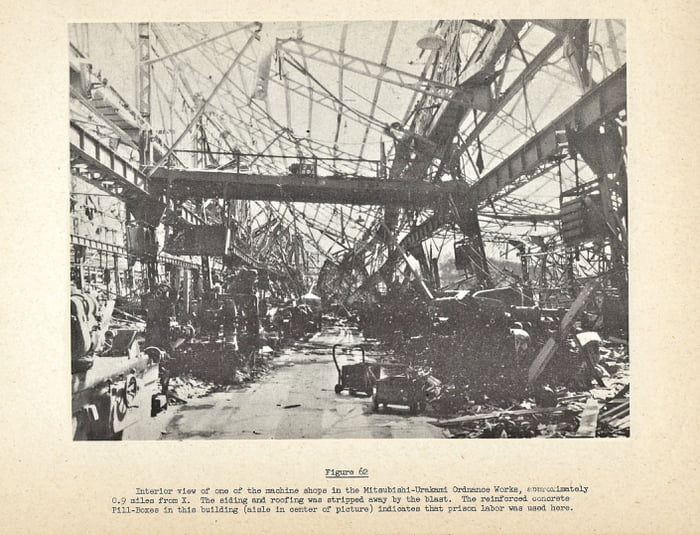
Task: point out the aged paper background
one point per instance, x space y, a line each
645 484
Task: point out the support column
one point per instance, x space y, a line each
186 296
206 274
79 259
143 90
117 286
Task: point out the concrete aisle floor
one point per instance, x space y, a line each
303 381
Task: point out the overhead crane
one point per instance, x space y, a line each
198 183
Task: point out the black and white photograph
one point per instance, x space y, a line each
246 243
373 229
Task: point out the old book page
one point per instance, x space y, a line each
644 483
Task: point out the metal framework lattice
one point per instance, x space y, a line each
357 99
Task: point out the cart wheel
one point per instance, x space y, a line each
338 388
375 403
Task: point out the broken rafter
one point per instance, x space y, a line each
403 253
414 96
246 102
441 131
237 110
552 344
289 84
525 75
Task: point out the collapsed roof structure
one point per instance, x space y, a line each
336 154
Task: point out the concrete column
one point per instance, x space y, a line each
116 276
187 290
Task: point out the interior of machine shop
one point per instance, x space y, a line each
378 229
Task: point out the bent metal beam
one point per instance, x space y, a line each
601 102
197 183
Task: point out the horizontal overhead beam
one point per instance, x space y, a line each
191 183
88 150
120 250
525 218
127 183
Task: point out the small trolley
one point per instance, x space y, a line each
398 384
354 377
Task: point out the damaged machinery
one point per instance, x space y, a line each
115 377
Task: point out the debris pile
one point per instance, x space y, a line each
614 419
479 359
517 423
181 389
202 367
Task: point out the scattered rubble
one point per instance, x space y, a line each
614 419
200 368
476 370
